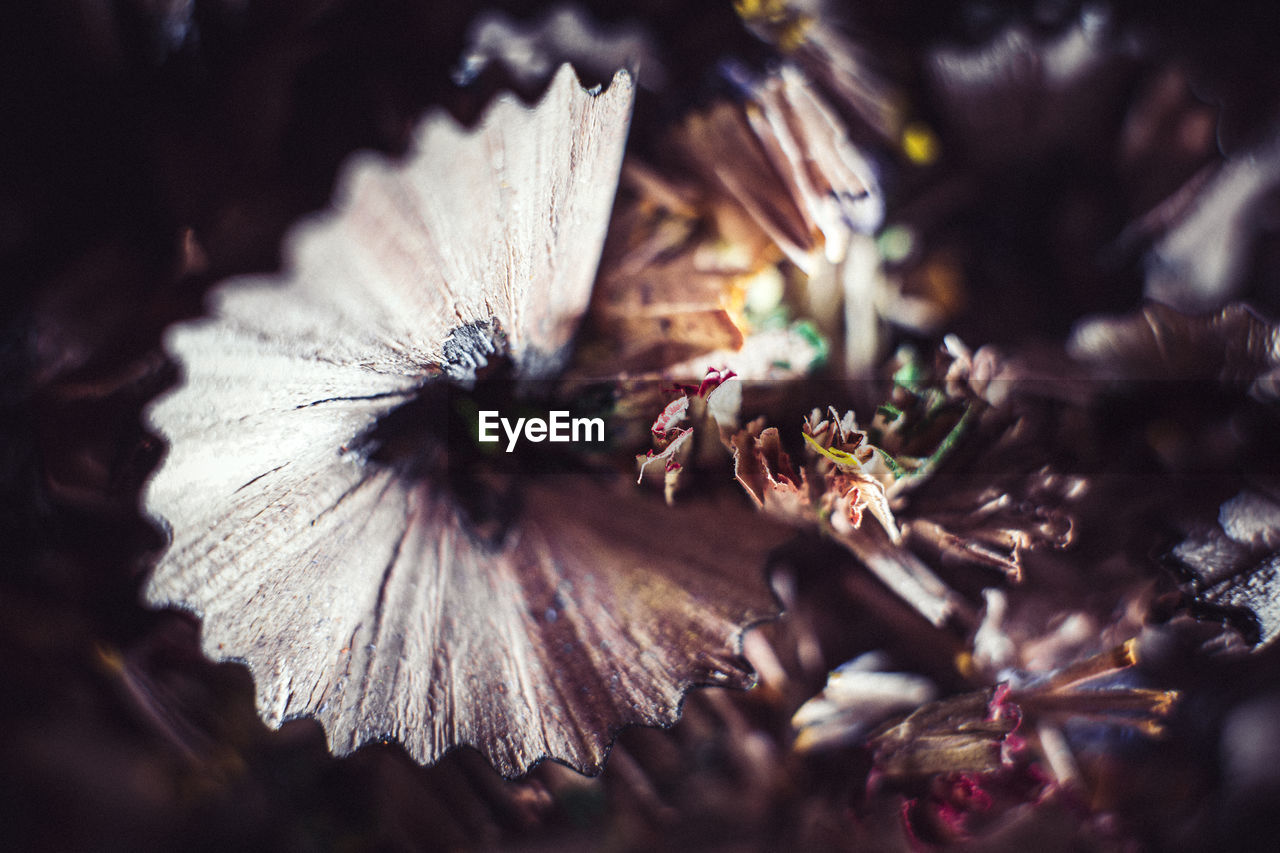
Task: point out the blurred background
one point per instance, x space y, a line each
1043 162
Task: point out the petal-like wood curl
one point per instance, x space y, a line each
355 591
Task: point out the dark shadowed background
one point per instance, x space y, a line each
150 148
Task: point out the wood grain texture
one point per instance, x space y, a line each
353 591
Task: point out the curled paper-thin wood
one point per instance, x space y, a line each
354 589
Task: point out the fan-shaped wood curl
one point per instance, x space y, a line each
354 592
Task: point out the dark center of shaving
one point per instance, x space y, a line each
434 438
